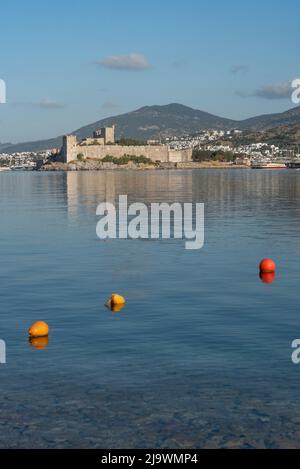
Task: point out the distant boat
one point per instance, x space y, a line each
27 167
4 168
17 168
268 165
294 164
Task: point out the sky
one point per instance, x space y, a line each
69 63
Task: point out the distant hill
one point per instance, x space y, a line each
268 121
4 145
144 123
162 121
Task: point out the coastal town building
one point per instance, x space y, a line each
103 144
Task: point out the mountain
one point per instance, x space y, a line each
38 145
268 121
144 123
4 145
151 122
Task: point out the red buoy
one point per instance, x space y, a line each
267 265
267 277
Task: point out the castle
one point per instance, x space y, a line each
103 143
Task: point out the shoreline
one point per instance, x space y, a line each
92 165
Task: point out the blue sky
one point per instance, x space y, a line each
68 63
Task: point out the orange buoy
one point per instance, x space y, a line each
267 277
267 265
40 343
39 329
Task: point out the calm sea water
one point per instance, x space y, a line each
201 353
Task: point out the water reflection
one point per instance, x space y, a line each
89 189
251 191
40 343
115 308
267 277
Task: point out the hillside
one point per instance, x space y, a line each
4 145
280 136
268 121
161 121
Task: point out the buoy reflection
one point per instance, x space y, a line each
40 343
267 277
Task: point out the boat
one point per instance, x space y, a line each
25 167
17 168
294 165
4 168
268 165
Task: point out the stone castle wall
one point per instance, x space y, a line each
180 156
155 153
162 153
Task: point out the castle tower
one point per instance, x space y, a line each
69 148
107 133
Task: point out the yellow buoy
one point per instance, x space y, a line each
117 300
116 308
39 329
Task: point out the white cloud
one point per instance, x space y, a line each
131 61
180 63
272 91
239 68
48 104
43 103
109 105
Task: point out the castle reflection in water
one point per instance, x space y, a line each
216 188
